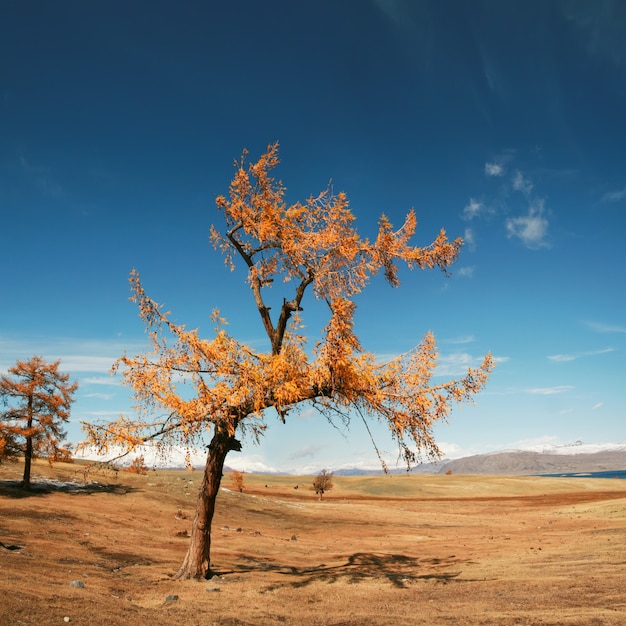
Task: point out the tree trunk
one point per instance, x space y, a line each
28 455
28 452
197 563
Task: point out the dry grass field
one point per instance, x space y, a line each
415 549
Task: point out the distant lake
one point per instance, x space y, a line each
603 474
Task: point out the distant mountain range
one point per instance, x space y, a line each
577 457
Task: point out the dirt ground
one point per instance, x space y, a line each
378 550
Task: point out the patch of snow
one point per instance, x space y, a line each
154 457
577 447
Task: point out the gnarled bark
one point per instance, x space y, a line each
197 563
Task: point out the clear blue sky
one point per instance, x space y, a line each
503 122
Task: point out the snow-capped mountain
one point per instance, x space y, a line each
544 459
532 459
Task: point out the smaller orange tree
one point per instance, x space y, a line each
323 482
236 479
137 466
37 397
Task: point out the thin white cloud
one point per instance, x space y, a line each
460 340
77 355
530 229
469 239
99 396
596 406
521 183
549 391
615 196
86 363
599 327
562 358
100 380
307 451
472 210
494 169
456 364
466 272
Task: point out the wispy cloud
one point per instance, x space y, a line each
308 451
550 391
466 272
531 229
99 396
494 169
562 358
615 196
86 363
93 356
596 406
456 364
521 183
469 239
100 380
600 327
472 210
461 340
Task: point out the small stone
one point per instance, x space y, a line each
66 619
294 538
212 589
171 598
79 584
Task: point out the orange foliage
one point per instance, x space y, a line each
137 466
61 455
38 399
236 479
311 246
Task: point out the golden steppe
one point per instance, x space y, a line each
400 549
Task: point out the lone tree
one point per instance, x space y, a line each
311 246
236 480
37 398
323 482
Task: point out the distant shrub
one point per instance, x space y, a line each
137 466
449 473
323 482
61 455
236 480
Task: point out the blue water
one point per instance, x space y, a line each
603 474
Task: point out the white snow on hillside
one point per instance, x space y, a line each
577 447
155 458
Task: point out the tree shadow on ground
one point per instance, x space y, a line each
44 487
399 569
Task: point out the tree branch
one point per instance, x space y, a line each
288 308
